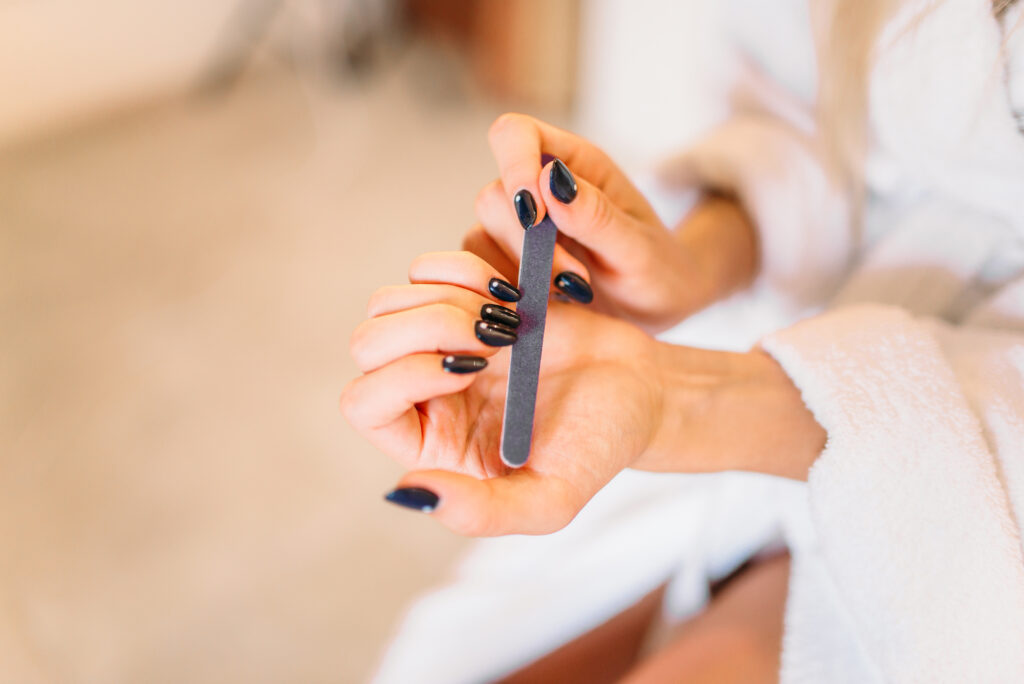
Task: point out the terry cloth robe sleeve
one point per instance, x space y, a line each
917 498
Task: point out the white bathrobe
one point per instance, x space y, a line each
908 564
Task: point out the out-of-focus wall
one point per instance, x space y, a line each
65 61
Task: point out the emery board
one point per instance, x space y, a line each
524 368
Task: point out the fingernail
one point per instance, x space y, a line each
416 498
495 313
495 335
526 208
563 185
503 290
460 364
574 286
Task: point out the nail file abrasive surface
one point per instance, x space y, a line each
523 372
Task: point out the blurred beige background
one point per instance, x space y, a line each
180 268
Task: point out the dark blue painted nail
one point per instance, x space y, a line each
496 313
574 286
416 498
526 208
495 334
503 290
562 183
463 363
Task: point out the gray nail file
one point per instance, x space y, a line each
521 395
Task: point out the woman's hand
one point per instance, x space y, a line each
609 397
610 235
597 405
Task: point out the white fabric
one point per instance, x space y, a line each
907 557
914 524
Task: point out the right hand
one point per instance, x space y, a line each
609 234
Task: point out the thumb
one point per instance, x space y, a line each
585 213
522 502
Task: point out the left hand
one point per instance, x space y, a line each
597 405
610 397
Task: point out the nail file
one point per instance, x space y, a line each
524 369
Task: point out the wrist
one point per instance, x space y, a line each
691 382
719 240
730 411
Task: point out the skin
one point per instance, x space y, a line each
641 272
610 397
736 638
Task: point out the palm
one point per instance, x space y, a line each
594 406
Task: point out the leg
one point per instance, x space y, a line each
604 654
738 638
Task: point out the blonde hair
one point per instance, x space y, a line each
847 32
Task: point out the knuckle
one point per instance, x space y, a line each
475 265
447 312
602 214
378 299
416 265
357 343
473 239
346 402
483 205
423 263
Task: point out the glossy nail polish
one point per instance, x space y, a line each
503 290
416 498
574 286
461 364
495 313
526 208
494 334
562 183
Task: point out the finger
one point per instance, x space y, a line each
518 142
522 502
479 242
458 268
517 146
432 328
498 220
380 405
395 298
592 219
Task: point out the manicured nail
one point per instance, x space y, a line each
574 286
495 313
526 208
416 498
460 364
495 335
563 185
503 290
